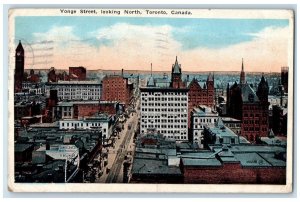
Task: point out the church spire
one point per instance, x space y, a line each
242 75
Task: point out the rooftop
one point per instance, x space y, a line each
211 162
22 147
252 160
85 82
154 166
45 125
203 110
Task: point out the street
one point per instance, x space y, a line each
117 154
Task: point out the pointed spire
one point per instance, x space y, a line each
242 75
242 64
210 77
176 68
20 47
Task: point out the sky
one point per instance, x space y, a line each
134 43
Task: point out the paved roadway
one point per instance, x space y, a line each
122 152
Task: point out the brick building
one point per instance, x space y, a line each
117 88
109 107
239 164
200 95
249 107
77 73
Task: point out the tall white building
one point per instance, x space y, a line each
166 110
76 90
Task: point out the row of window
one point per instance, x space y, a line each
164 93
205 120
79 124
163 126
163 110
164 104
165 121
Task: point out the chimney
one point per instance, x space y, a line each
122 72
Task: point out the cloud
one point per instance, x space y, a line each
268 51
130 46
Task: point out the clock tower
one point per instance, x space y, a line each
19 67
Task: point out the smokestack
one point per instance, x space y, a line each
122 72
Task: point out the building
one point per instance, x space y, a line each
77 73
76 90
155 160
285 78
165 109
117 88
101 122
33 88
219 134
201 116
232 124
249 107
23 152
19 67
238 164
279 120
79 109
176 80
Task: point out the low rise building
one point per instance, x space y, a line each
233 124
76 90
239 164
220 134
100 122
202 116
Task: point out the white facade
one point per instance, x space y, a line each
202 116
33 88
76 90
166 110
86 124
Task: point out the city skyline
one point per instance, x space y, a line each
100 42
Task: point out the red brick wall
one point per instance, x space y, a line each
255 121
115 88
86 110
234 174
108 108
